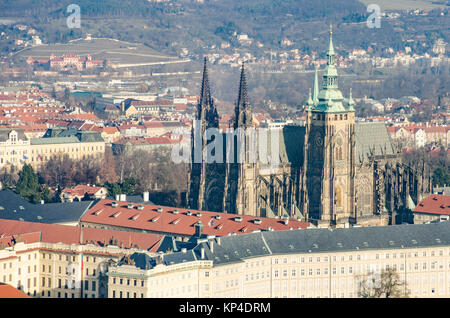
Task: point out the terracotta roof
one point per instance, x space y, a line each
147 141
110 130
53 233
81 190
7 291
434 204
178 221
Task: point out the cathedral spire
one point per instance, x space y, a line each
351 102
316 89
329 98
206 110
243 116
310 102
330 52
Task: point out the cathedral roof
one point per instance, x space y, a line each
372 138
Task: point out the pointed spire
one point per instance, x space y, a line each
315 98
206 110
330 52
310 102
242 110
205 93
243 97
351 102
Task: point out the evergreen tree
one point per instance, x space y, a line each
28 184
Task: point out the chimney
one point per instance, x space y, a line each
198 229
81 235
145 196
202 253
211 246
117 197
218 241
183 250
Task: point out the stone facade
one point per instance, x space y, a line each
332 172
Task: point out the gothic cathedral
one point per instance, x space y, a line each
332 171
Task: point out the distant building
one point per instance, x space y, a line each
14 147
77 144
433 208
132 107
131 144
68 61
81 192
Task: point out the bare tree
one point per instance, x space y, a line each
58 171
384 284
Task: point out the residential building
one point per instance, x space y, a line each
56 261
77 144
14 147
80 192
433 208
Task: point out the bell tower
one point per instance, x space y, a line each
329 165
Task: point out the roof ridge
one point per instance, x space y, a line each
265 243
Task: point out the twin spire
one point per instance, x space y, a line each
242 111
207 111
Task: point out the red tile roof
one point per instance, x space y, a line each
434 204
110 130
170 222
53 233
7 291
81 190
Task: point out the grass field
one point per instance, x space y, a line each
405 4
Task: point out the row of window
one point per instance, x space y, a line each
68 258
336 117
122 294
350 257
122 281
